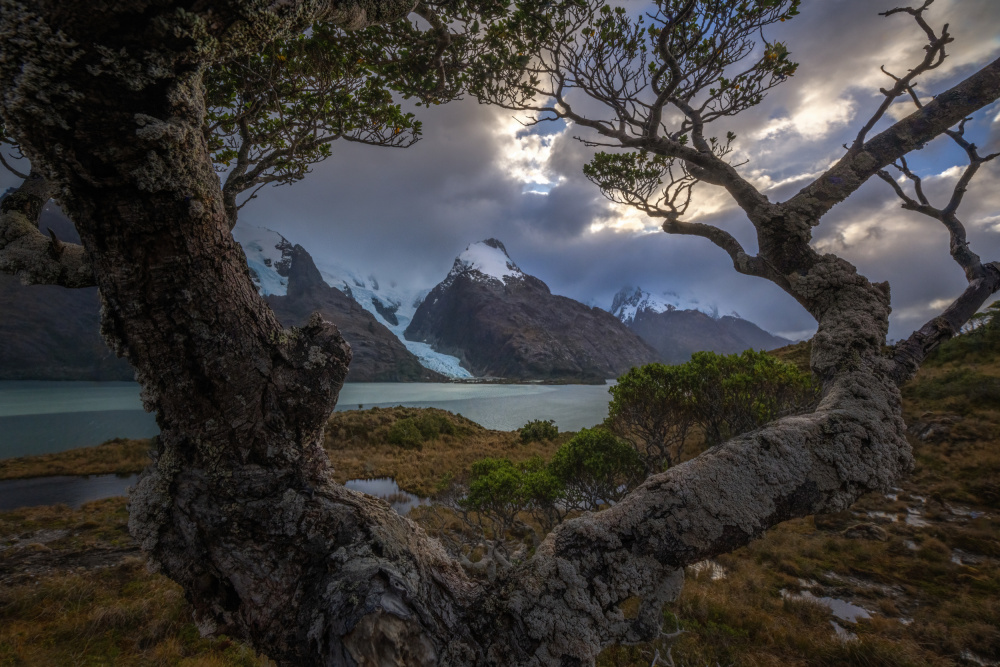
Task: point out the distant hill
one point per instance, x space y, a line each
503 322
678 333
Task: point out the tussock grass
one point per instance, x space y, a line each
75 591
119 456
359 444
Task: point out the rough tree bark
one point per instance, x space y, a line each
240 507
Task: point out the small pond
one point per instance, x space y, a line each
387 489
72 491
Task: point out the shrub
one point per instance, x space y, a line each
405 433
538 430
654 407
737 393
431 425
496 492
650 408
596 468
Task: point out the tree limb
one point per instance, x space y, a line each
854 169
910 353
11 169
934 55
25 252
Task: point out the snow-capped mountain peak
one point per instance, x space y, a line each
488 258
631 300
269 256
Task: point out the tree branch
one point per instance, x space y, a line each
25 252
11 169
934 55
984 280
910 353
911 133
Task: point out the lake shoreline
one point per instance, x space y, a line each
40 417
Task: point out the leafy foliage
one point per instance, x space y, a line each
737 393
655 407
499 490
596 468
591 470
537 430
275 113
414 431
405 433
652 82
651 409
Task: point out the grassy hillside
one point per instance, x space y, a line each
922 562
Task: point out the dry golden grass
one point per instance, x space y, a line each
357 442
118 456
74 591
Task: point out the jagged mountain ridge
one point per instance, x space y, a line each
378 356
628 301
269 256
52 333
503 322
393 307
676 333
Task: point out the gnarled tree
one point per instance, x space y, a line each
240 507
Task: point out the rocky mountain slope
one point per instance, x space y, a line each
392 305
502 322
677 332
379 356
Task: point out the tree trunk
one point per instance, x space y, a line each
239 506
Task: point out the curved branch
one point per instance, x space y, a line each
742 262
11 169
30 255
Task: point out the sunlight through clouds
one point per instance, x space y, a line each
525 153
816 117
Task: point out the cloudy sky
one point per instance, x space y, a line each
404 214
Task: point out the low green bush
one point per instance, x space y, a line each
406 433
538 430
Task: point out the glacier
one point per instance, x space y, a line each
269 254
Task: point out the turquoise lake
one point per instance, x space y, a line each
43 417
